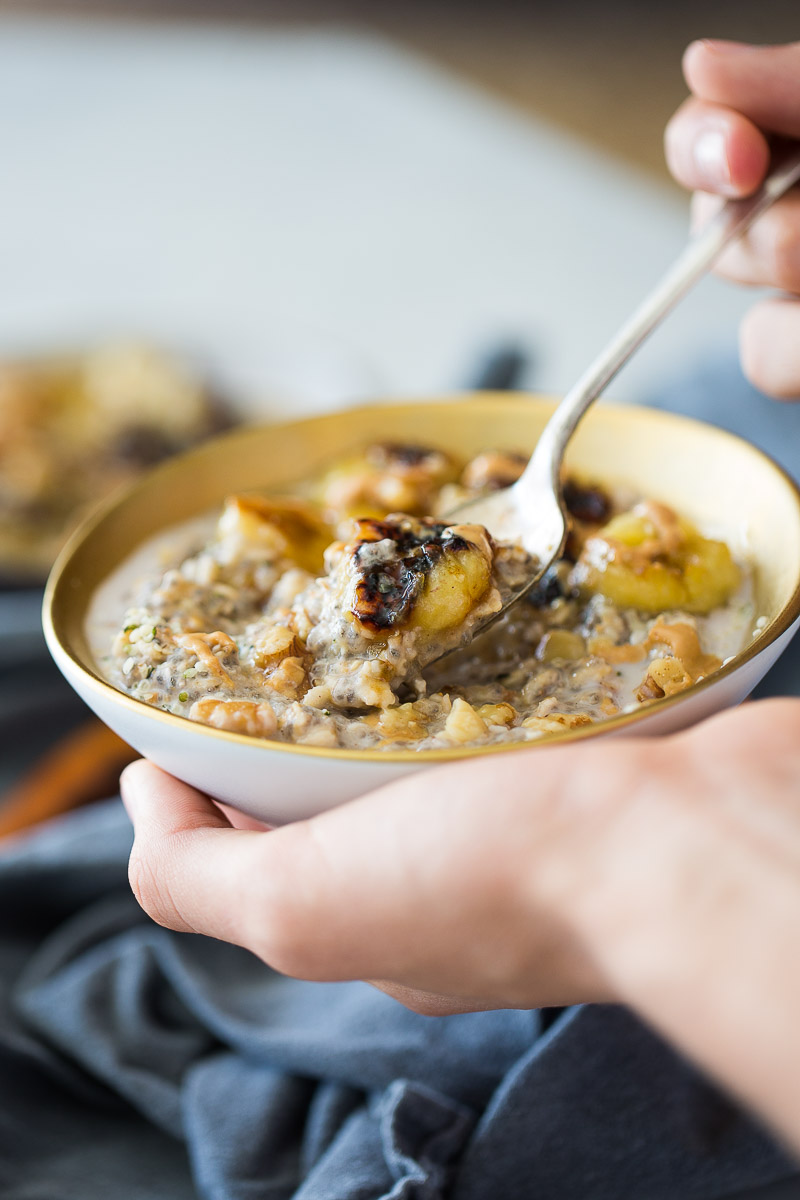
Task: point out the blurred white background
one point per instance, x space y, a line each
320 213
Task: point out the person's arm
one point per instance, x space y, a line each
718 142
664 873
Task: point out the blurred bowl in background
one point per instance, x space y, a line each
75 426
83 414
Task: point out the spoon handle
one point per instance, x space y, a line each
731 220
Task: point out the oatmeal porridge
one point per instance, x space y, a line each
342 616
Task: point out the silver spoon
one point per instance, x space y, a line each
532 511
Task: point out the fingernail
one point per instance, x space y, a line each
711 159
724 46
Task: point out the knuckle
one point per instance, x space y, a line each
784 249
737 264
278 907
277 938
768 348
146 888
291 918
754 343
149 878
273 947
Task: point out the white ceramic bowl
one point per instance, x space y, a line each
716 480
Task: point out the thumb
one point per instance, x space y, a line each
160 805
188 867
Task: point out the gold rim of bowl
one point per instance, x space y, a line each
61 599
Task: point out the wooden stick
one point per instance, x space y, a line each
81 767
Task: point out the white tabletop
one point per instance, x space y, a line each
323 210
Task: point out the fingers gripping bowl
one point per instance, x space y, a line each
718 483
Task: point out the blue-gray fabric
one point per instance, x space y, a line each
140 1064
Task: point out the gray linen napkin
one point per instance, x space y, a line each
139 1063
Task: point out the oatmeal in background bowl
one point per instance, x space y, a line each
76 426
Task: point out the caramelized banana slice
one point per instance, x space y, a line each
652 560
417 574
398 594
387 477
492 470
285 526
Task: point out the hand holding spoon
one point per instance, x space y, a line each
532 511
